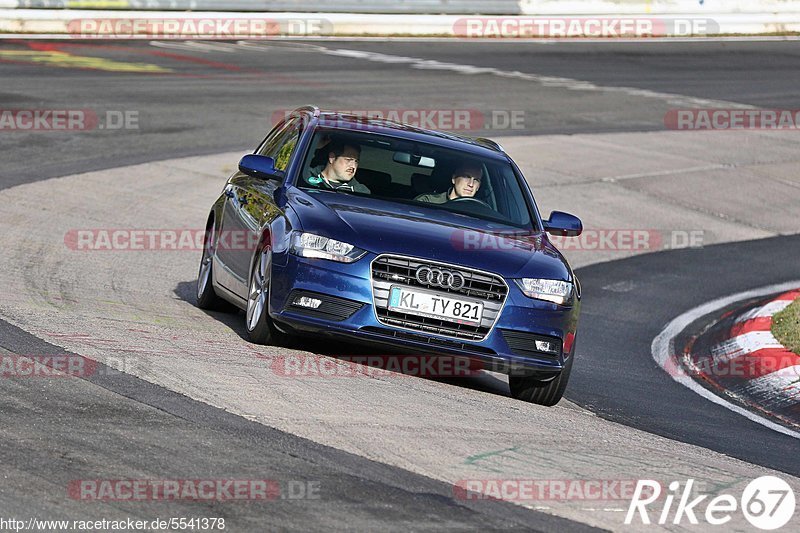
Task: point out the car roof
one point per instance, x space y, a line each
362 124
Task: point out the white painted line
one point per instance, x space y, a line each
211 46
772 308
174 45
663 348
662 173
572 84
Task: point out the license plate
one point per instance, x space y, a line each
435 305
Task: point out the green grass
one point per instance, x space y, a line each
786 326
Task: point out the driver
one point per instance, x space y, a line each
466 182
339 174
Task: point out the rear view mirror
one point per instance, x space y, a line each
563 224
414 160
260 166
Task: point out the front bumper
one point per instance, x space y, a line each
349 314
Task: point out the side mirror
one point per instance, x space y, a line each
563 224
260 166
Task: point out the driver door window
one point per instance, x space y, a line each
281 145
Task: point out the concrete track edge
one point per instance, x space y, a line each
66 21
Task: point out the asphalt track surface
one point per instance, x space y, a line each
208 100
212 101
56 431
628 304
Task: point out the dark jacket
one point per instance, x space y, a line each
434 198
317 180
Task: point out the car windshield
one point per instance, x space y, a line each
416 174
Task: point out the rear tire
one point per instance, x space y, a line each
259 325
547 393
206 297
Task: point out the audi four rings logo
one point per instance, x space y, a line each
436 277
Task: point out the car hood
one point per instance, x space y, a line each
380 226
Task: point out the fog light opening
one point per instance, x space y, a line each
547 347
305 301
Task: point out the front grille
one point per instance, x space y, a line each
490 289
402 271
524 343
331 308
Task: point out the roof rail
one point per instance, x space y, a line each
314 110
491 144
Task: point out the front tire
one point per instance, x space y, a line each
260 328
547 393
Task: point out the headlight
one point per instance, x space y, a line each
311 245
551 290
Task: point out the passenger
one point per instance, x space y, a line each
339 173
466 181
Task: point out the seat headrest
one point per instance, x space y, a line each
374 179
421 183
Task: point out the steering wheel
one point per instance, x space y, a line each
471 199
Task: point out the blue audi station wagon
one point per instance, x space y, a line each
395 237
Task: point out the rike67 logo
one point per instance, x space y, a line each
767 502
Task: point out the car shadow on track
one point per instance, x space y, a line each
482 381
